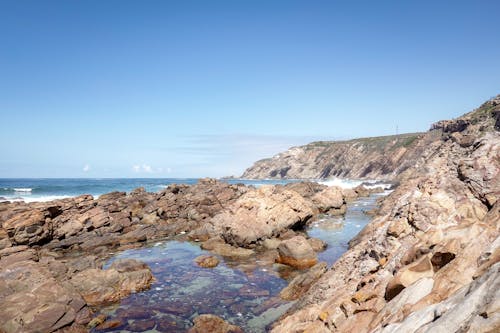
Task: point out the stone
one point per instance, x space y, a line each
330 200
262 213
271 243
301 283
209 323
398 228
217 246
296 252
422 268
33 301
206 261
107 286
317 244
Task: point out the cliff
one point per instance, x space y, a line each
381 157
428 261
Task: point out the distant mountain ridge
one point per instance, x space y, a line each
382 157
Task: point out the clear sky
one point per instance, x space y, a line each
204 88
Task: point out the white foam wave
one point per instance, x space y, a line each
27 189
34 199
352 183
343 183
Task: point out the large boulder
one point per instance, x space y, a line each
330 200
296 252
262 213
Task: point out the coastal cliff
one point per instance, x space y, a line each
382 157
428 261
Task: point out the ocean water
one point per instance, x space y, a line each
46 189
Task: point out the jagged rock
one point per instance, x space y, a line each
432 238
475 307
406 276
296 252
330 200
370 158
125 276
301 283
33 301
262 213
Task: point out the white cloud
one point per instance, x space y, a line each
86 168
146 168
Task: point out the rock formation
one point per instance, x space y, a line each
428 260
51 253
370 158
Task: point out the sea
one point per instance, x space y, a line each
47 189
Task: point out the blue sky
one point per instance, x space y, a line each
204 88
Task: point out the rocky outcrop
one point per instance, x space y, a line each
99 287
34 301
63 243
428 260
370 158
260 214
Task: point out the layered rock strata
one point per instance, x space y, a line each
428 262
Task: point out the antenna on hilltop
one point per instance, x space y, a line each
397 130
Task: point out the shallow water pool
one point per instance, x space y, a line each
245 291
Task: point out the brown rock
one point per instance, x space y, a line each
317 244
296 252
300 284
262 213
206 261
33 301
422 268
217 246
330 200
207 323
106 286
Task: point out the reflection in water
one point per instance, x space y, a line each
244 291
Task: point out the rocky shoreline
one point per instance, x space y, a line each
428 261
51 253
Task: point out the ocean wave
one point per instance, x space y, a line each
343 183
34 199
23 189
352 183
